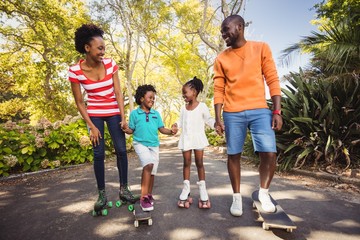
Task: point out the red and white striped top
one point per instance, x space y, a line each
101 97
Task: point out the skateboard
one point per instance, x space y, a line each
102 211
140 215
278 219
186 203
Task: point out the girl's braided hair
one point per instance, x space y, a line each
196 84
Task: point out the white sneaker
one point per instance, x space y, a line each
185 191
266 202
236 206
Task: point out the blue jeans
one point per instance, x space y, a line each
119 141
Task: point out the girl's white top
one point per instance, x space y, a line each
192 124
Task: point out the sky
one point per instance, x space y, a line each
280 23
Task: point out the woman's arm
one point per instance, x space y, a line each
119 97
95 134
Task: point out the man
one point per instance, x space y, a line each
239 91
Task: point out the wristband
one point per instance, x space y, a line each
278 112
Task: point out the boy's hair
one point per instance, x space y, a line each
195 83
141 91
85 34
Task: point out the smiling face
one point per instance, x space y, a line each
188 93
232 32
96 49
148 100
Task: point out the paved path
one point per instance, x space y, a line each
56 205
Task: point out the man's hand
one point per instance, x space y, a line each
219 127
277 122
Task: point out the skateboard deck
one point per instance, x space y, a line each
140 215
278 219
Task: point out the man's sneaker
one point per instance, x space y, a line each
151 199
266 203
236 206
146 204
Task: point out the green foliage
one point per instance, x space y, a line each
321 122
37 48
214 139
26 148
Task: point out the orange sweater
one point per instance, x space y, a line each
239 77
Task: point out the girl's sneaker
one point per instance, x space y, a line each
145 204
151 199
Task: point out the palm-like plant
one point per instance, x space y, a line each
336 49
321 122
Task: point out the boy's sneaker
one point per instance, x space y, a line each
146 204
151 199
236 206
266 202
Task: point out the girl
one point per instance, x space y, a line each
193 117
144 123
99 77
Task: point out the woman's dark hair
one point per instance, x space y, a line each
85 34
196 84
141 91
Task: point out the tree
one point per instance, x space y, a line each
336 48
37 49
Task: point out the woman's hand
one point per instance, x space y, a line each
95 136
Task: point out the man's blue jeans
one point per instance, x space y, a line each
119 141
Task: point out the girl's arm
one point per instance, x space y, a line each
209 120
128 130
95 134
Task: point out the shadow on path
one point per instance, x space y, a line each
57 205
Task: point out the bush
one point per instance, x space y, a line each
321 122
25 148
214 139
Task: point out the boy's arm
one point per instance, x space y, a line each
126 129
167 131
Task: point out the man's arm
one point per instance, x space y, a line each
219 125
277 121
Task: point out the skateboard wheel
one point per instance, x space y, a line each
93 213
110 204
254 206
265 227
104 212
131 207
289 230
118 203
150 222
136 223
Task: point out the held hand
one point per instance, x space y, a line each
124 125
277 122
219 128
174 129
95 136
